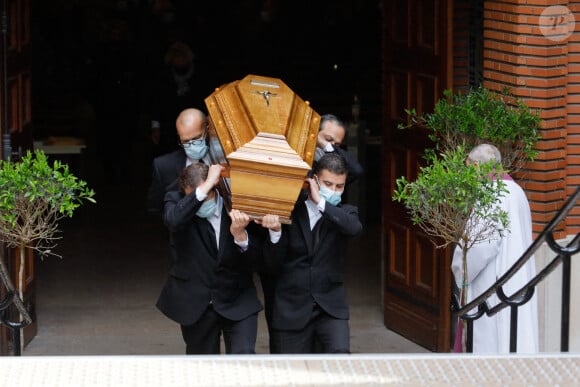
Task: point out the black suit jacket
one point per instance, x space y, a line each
308 265
355 170
164 175
202 272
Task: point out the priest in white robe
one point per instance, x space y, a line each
487 261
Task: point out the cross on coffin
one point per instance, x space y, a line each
268 147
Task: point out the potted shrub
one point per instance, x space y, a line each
483 116
34 196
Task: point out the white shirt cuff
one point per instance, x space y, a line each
200 195
328 148
243 245
275 236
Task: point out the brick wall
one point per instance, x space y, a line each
573 117
543 69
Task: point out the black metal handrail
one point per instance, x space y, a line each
476 308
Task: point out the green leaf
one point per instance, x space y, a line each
34 196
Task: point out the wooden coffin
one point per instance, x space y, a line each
267 134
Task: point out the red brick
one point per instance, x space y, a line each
543 212
537 174
541 186
541 82
555 166
544 61
559 143
549 197
552 134
542 2
573 99
573 230
548 112
552 154
573 119
553 123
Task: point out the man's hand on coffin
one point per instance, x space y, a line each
271 222
240 221
313 189
213 177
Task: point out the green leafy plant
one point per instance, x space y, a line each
34 196
483 116
455 203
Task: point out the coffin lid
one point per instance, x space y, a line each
262 119
267 135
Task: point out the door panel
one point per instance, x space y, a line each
16 112
416 285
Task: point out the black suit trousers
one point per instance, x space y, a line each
203 337
322 334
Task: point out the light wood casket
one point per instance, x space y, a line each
267 134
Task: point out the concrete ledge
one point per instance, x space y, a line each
292 370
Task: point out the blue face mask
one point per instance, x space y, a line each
332 197
195 151
207 208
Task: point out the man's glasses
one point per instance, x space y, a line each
196 141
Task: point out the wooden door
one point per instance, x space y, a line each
16 115
416 59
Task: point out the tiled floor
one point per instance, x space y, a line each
99 299
293 370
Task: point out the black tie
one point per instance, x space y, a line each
316 234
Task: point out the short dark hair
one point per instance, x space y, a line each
331 118
331 162
192 176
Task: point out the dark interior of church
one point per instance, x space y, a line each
326 51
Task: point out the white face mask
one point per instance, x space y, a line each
318 152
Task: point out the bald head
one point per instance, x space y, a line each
190 124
